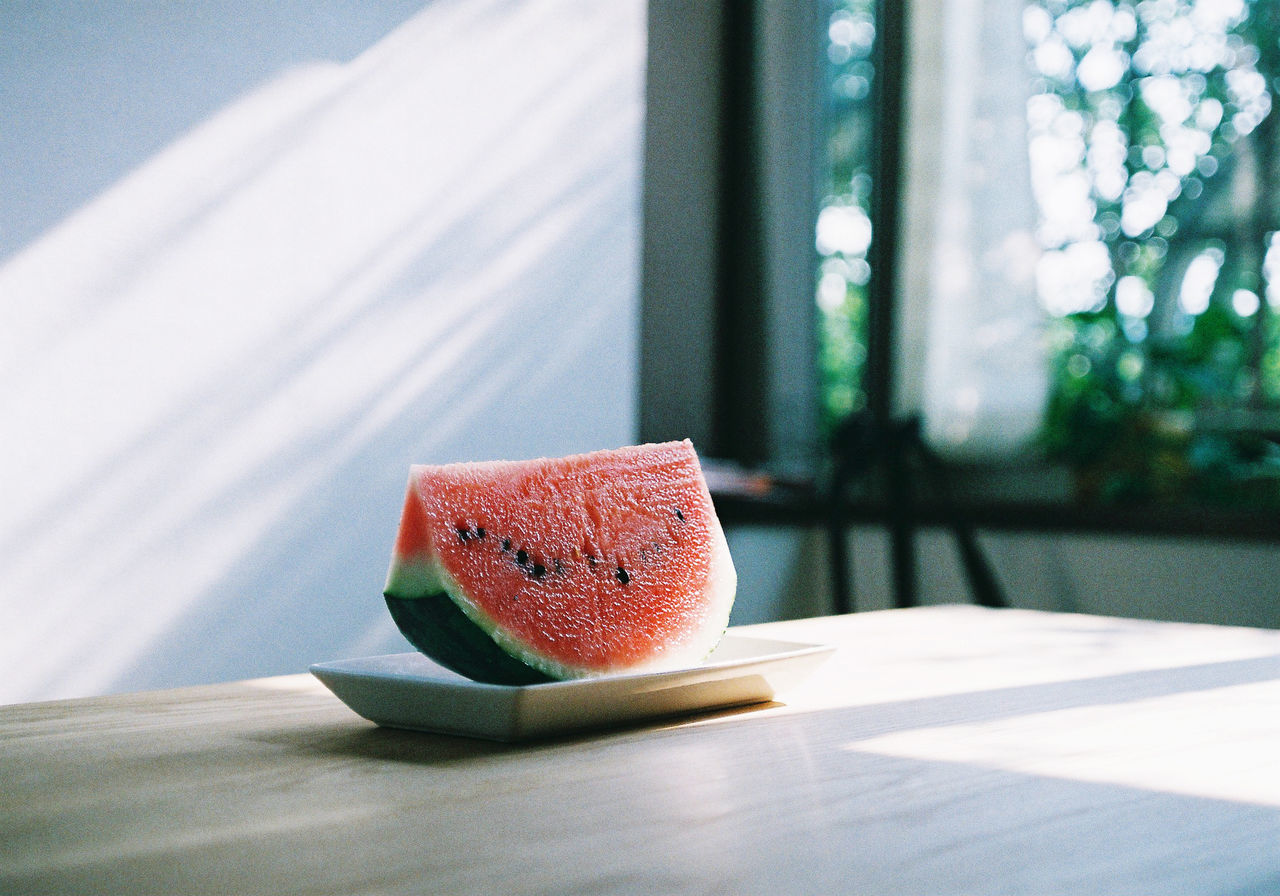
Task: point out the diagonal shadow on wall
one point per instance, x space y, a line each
463 288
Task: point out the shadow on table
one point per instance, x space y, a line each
972 707
851 722
363 739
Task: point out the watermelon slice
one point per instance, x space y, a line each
515 572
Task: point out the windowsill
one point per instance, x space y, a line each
1027 499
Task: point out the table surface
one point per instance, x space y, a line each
940 750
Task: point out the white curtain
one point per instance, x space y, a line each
971 350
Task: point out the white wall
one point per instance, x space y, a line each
255 259
785 573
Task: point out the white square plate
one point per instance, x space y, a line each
407 690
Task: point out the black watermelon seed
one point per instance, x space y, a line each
538 571
522 557
506 544
479 531
464 534
622 576
680 514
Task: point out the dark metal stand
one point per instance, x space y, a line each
894 458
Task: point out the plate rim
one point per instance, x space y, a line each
457 706
794 649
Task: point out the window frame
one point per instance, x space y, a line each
721 383
728 323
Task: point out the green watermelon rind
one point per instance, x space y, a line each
448 627
438 629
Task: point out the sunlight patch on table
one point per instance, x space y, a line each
288 684
1216 744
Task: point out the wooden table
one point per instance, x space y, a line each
941 750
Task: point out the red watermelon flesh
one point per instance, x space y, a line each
519 571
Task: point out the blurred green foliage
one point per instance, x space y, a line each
1169 396
1131 420
844 227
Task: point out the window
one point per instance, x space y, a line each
843 235
1153 171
